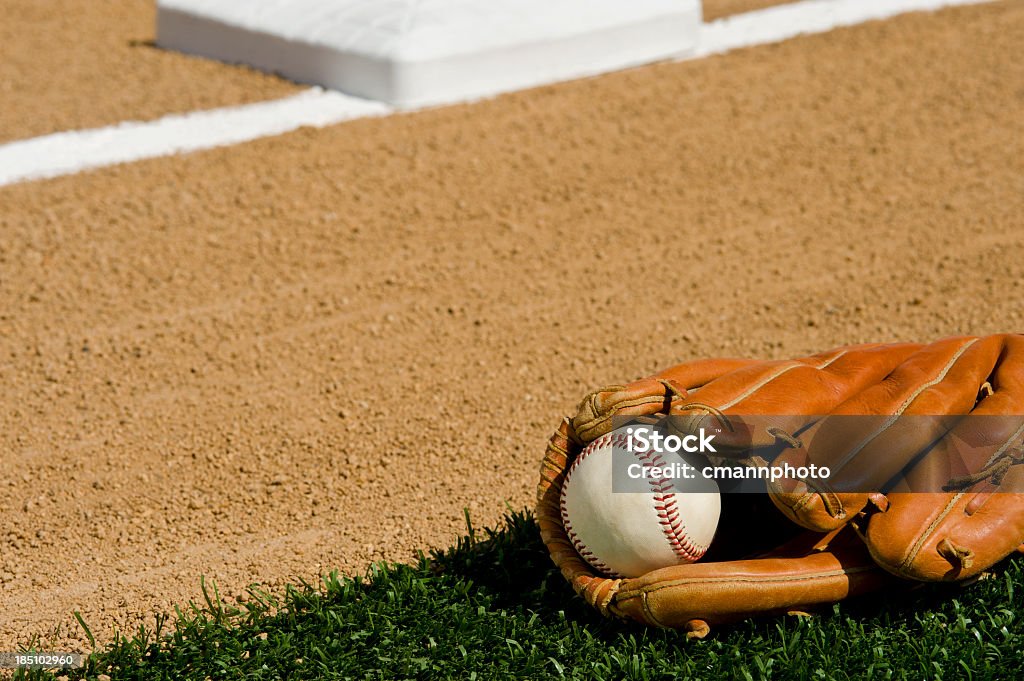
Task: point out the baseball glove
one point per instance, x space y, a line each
939 502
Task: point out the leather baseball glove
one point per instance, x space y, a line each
938 502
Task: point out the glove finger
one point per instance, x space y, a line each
866 455
794 578
958 534
812 385
989 432
791 390
942 537
942 379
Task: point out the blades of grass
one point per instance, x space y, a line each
214 605
469 526
496 607
86 629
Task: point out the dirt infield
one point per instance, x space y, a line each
67 64
716 9
263 362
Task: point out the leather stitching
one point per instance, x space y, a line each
929 531
650 588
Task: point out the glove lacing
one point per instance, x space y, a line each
996 470
829 499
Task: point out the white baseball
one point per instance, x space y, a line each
628 534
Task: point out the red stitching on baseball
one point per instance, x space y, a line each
577 543
668 513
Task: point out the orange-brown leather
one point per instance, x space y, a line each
924 535
797 577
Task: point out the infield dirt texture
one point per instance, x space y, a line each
309 352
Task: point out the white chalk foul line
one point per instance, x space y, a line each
70 152
782 22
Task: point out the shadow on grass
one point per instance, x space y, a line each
511 566
493 606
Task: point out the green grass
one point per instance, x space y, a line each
494 607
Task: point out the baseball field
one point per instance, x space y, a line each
341 350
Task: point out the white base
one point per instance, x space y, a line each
426 52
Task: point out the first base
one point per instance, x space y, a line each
424 52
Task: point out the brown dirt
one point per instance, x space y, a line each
716 9
68 64
262 362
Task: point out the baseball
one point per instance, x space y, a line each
627 534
